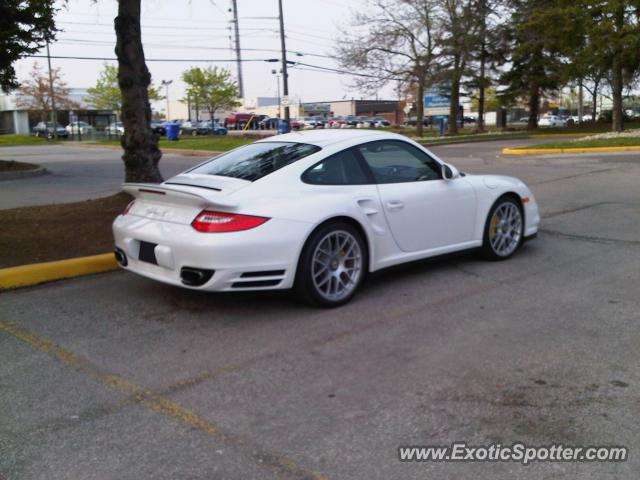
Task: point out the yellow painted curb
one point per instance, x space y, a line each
542 151
33 274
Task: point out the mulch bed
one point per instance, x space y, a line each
55 232
13 166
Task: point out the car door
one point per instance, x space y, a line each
423 210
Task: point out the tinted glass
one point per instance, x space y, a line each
394 161
256 160
340 169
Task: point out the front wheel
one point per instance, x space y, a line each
332 265
504 229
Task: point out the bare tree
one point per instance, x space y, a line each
392 41
35 92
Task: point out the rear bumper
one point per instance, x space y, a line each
259 259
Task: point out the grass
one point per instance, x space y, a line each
13 166
19 140
596 143
54 232
220 143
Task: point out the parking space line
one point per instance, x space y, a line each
152 400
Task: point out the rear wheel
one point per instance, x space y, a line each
332 265
504 229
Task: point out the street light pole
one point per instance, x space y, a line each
285 76
166 84
275 72
53 96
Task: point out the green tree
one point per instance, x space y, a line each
491 101
211 87
535 33
105 95
25 27
612 42
141 153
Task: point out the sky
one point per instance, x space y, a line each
199 29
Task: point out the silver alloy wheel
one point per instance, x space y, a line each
505 229
336 265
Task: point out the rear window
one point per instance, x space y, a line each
256 160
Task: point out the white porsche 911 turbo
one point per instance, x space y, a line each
316 211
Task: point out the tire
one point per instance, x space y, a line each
504 229
338 274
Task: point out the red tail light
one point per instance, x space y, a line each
128 207
215 222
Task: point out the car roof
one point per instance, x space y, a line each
323 138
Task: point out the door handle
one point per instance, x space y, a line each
393 205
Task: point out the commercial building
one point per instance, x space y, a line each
20 120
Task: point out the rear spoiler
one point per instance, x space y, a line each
184 195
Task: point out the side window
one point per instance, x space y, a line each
395 161
343 168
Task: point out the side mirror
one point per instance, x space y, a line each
449 172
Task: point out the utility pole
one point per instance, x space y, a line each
166 84
238 54
54 113
285 76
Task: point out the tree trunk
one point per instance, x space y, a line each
453 106
616 72
594 115
481 96
141 152
534 107
580 101
617 117
420 107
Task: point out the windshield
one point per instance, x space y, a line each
256 160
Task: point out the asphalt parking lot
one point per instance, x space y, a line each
115 376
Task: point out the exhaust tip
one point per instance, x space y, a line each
195 277
121 257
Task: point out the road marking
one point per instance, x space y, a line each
152 400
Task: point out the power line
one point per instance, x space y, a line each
106 43
194 60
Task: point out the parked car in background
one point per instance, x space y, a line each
79 128
381 122
268 123
309 122
469 119
237 121
296 124
320 121
46 130
552 121
191 128
208 127
336 122
158 127
115 128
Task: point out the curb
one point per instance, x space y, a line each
25 275
34 172
542 151
533 136
182 151
560 135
